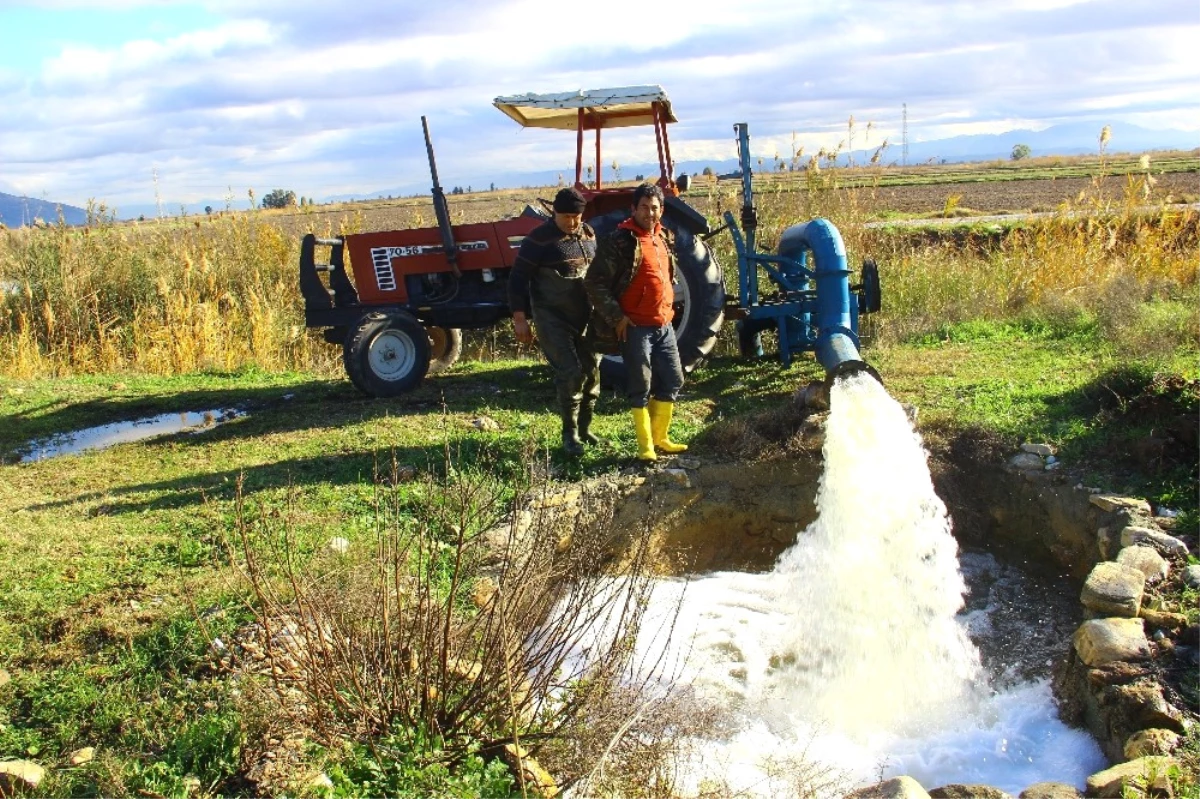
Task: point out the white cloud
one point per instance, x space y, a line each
285 92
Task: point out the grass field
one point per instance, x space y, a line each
120 565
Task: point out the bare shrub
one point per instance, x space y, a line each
460 627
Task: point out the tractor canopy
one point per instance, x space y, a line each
589 108
597 109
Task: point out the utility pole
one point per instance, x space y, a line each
904 137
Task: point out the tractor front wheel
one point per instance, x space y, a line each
387 354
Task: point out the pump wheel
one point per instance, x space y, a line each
699 296
387 354
872 299
445 346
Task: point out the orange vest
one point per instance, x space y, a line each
648 299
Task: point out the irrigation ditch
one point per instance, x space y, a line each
1085 664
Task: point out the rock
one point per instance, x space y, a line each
1102 641
81 756
5 679
19 775
557 499
1050 790
1141 706
1146 560
537 780
1023 461
321 782
1112 502
339 545
895 788
1116 673
677 477
1191 576
485 423
1109 541
1151 742
958 791
688 462
1168 545
1149 771
1162 620
483 592
1113 589
1043 450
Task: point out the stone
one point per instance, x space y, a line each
1102 641
485 423
339 545
537 780
1023 461
1146 560
1113 589
1191 576
895 788
19 775
1141 706
960 791
1050 790
1168 545
483 592
1151 742
1043 450
1148 771
688 462
1116 673
1163 620
1109 541
677 477
83 755
1113 502
5 679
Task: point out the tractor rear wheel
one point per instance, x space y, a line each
699 296
386 354
445 346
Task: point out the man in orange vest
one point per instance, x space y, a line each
629 284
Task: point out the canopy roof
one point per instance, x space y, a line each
603 108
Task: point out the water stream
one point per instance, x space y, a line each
853 660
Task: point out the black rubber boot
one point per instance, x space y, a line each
572 445
585 423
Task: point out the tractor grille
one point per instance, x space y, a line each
385 278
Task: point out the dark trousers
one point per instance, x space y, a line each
652 365
576 367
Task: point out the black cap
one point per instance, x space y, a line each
569 201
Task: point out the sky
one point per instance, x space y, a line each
177 104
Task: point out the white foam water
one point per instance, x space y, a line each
848 663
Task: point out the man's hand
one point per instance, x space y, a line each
521 328
622 326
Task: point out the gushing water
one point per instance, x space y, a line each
849 658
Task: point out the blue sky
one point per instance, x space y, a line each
127 101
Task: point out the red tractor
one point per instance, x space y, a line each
397 300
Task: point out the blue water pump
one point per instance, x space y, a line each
813 307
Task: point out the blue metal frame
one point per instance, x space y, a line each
812 308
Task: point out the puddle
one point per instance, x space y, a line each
126 432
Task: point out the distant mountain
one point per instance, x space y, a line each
18 211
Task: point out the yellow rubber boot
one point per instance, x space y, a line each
641 427
660 423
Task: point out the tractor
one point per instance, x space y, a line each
399 306
414 291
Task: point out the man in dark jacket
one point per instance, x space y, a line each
547 277
629 284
